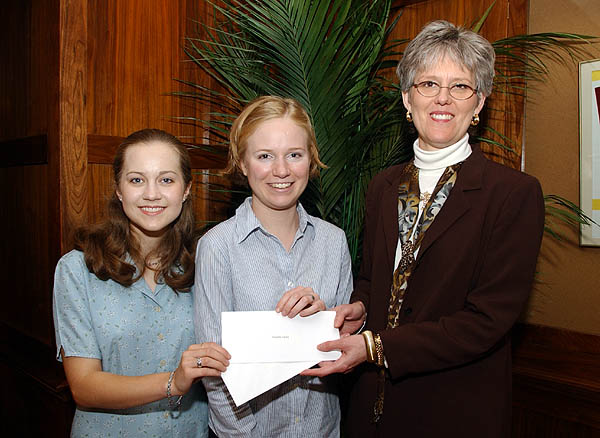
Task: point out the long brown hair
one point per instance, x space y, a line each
107 246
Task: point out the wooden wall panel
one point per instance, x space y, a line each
24 252
72 125
556 391
15 37
135 51
507 18
29 111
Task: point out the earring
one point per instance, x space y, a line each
475 120
408 117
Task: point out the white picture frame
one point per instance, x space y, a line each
589 149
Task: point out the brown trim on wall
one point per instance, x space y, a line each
556 380
102 149
24 151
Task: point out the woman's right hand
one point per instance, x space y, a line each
212 358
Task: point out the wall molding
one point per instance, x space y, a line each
556 379
102 149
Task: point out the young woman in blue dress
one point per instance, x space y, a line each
122 308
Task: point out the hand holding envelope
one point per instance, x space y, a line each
267 349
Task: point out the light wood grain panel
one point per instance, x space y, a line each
73 129
135 53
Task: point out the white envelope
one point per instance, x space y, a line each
267 349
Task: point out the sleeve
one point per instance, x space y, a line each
345 284
213 294
73 325
495 301
362 289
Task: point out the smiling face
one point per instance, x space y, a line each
151 189
442 120
276 162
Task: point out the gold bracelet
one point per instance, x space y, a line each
378 349
370 345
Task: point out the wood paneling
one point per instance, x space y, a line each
507 18
29 113
72 126
556 390
135 53
24 252
102 149
15 37
35 399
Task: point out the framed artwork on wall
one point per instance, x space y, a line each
589 149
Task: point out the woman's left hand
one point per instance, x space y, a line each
301 301
199 360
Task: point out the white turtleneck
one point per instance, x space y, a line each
431 165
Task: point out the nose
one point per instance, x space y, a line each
281 168
152 191
444 96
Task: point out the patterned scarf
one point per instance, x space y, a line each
410 235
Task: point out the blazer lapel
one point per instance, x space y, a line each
457 204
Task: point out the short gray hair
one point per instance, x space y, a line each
463 46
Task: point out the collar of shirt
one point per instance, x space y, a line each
141 285
439 159
247 222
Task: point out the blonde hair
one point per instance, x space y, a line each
260 110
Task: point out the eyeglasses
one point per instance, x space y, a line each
432 89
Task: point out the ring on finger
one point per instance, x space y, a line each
199 362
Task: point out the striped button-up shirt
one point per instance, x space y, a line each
242 267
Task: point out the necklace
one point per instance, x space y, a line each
425 197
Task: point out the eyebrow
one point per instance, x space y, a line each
162 172
291 149
434 78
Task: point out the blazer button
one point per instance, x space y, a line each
408 310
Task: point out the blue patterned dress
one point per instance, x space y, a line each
134 332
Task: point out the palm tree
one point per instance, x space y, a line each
333 56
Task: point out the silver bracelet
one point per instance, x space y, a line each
173 405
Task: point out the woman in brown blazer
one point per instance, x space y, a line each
450 247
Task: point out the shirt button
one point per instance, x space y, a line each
163 363
157 309
161 336
408 310
290 284
297 419
166 415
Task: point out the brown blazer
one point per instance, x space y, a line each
449 360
